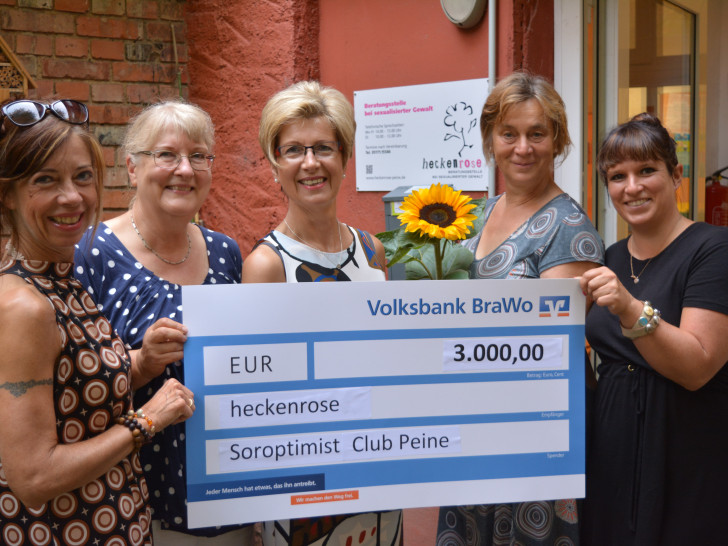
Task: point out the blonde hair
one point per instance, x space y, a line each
177 115
515 89
307 100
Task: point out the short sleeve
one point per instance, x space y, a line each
574 240
707 283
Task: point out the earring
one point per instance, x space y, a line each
277 181
344 175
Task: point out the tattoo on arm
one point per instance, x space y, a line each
19 388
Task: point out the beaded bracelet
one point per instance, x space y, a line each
648 321
140 413
138 432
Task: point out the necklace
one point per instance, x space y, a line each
321 252
636 278
150 249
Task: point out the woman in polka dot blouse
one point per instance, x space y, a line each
134 266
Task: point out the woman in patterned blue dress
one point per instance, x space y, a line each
307 134
134 266
69 470
533 230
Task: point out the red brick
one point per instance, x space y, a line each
107 92
32 20
37 4
76 69
172 11
105 27
73 90
7 2
167 53
142 72
30 63
109 156
163 31
118 198
111 114
142 9
107 49
171 92
117 177
71 47
107 7
43 89
78 6
107 215
108 135
34 45
142 93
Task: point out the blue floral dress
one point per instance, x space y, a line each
133 298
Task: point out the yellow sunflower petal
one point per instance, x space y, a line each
438 211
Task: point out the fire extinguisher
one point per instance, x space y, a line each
716 199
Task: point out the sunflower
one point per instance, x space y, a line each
438 211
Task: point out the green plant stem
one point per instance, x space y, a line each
438 257
429 274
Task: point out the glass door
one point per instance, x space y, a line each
661 69
647 56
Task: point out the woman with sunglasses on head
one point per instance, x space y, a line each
307 135
656 472
69 432
134 266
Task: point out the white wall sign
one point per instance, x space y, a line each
419 135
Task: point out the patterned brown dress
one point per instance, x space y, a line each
91 387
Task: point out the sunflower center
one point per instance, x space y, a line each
439 214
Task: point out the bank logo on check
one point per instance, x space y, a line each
553 306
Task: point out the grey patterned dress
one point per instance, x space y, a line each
559 233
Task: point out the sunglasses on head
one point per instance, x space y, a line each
25 113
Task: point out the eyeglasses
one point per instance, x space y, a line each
294 152
25 113
169 160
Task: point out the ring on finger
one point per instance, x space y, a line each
190 402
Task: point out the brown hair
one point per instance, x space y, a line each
514 89
24 151
642 138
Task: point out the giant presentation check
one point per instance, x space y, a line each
343 397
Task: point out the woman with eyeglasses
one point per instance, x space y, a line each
307 135
69 431
134 266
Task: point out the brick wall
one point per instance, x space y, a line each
114 55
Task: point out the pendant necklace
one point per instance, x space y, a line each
321 252
636 278
150 249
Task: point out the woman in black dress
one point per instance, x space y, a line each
656 472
